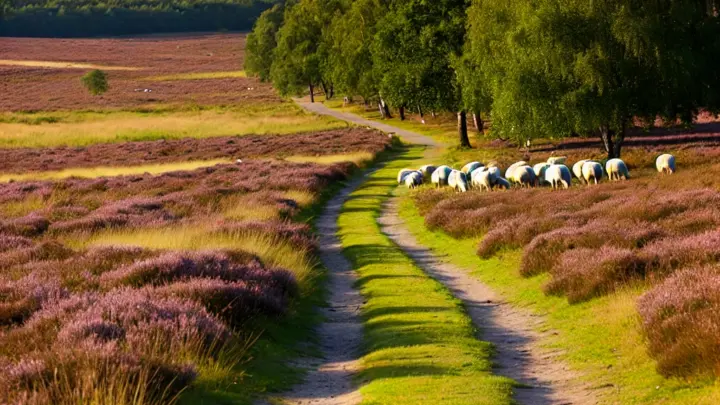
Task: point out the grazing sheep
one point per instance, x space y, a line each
494 174
511 169
592 170
524 176
482 180
556 160
471 167
577 170
539 170
458 181
413 180
616 170
440 176
402 174
558 176
503 183
665 164
427 171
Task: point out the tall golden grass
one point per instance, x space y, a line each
94 172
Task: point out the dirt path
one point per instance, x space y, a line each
330 381
512 331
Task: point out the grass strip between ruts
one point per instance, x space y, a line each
420 346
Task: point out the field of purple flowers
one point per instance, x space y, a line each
658 233
82 321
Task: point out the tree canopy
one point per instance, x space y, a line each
547 68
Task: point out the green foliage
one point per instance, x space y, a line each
412 48
350 65
555 67
261 43
301 51
96 82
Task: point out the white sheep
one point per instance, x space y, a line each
592 170
471 167
402 174
558 176
616 170
413 180
511 169
440 176
524 176
482 180
557 160
427 171
539 170
577 170
665 164
458 181
494 173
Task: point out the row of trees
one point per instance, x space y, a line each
74 18
546 68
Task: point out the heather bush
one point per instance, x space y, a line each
681 318
670 254
236 302
585 273
300 236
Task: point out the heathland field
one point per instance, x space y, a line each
157 242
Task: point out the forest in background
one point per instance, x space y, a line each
88 18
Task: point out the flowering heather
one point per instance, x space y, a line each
332 142
236 302
20 299
584 273
682 322
31 225
625 216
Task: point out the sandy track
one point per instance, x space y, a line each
512 331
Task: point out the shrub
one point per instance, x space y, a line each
95 82
681 318
585 273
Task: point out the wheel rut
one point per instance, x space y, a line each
512 331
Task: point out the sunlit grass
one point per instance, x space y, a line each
61 65
272 250
87 128
94 172
199 76
359 158
15 209
420 344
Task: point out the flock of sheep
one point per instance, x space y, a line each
553 173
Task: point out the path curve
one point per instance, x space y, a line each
405 135
512 331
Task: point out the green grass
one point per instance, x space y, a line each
83 128
600 338
420 345
199 76
94 172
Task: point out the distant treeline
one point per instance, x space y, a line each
81 18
